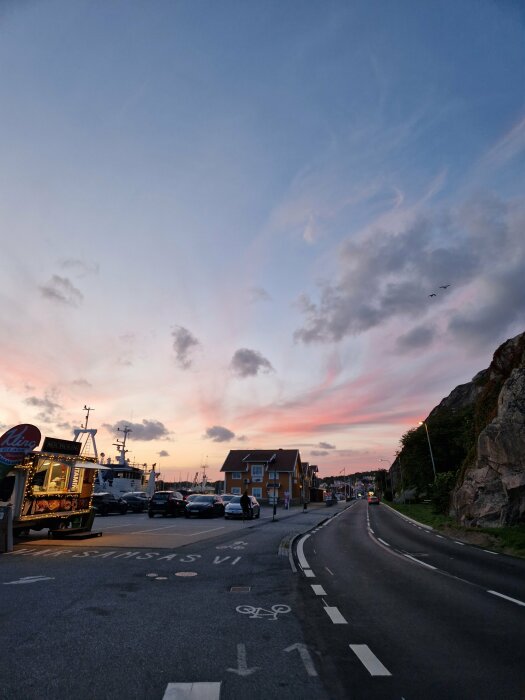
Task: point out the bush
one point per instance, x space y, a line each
441 490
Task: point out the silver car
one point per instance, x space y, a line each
234 509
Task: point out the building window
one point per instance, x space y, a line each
236 491
273 476
257 492
257 472
236 475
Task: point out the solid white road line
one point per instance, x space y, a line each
383 541
192 691
335 615
512 600
318 590
300 553
429 566
369 660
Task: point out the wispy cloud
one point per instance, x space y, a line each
183 343
62 290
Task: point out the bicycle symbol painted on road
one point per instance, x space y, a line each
260 613
235 545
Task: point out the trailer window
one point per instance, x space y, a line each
54 476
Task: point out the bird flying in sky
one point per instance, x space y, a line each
431 295
444 286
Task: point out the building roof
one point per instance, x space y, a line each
283 461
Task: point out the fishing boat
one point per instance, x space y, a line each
116 476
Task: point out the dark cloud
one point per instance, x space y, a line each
183 342
50 408
219 434
389 275
145 431
326 446
418 337
248 363
319 453
163 453
60 289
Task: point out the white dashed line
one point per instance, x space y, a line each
318 590
309 573
458 542
192 691
330 572
335 615
369 660
506 597
489 552
429 566
440 537
383 541
371 531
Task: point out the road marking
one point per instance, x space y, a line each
261 613
440 537
512 600
489 552
305 657
371 531
242 666
318 590
308 573
335 615
420 562
383 541
300 553
458 542
29 579
192 691
369 660
330 572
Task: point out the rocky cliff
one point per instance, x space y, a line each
491 484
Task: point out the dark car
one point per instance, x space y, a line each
234 509
136 500
166 503
106 503
205 506
373 500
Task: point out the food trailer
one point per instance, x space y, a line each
51 488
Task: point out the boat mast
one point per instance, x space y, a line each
121 445
89 433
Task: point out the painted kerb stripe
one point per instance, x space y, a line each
506 597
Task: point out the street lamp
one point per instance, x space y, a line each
422 422
381 459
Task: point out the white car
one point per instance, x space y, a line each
234 509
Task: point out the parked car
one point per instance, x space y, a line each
227 497
234 509
205 506
373 500
166 503
136 500
186 492
191 497
106 503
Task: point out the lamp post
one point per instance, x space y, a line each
422 422
381 459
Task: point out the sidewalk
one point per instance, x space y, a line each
282 512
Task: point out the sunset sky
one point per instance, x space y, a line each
221 221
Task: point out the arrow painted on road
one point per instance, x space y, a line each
242 667
305 657
29 579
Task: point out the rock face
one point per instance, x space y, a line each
491 490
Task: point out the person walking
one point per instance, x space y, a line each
246 505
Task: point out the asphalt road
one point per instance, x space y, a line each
214 610
396 611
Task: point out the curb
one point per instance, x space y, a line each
411 520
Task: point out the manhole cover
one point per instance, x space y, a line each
186 573
240 589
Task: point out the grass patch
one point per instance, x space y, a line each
509 540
